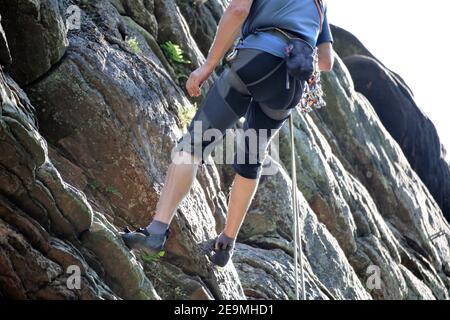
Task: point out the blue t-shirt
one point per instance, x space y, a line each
298 16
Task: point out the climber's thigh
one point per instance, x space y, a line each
225 103
260 126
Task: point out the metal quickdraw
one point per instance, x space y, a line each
313 95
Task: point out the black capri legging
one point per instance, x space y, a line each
253 87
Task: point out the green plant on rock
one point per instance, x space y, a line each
174 52
186 113
147 257
133 44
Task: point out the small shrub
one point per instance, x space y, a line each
147 257
174 52
133 44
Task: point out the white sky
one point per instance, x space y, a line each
411 37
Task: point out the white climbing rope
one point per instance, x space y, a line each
298 251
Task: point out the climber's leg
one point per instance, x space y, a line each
179 179
241 195
264 79
248 170
271 105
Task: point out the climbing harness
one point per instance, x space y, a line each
298 250
299 55
302 63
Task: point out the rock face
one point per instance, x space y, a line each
407 124
400 115
85 147
264 259
36 35
42 219
361 186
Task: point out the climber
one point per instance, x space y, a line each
253 86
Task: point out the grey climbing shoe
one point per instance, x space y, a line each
222 254
141 239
